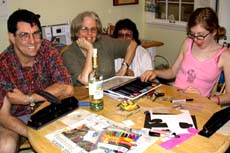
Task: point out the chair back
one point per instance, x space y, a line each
219 87
64 49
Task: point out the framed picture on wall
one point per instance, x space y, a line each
124 2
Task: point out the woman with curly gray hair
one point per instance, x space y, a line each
86 31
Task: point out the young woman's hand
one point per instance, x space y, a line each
192 90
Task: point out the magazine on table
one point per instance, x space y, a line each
95 133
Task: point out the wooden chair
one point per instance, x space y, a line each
64 49
221 90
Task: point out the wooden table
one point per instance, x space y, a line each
151 43
201 107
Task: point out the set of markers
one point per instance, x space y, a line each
117 141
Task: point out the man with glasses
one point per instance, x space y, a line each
126 29
201 59
29 64
86 29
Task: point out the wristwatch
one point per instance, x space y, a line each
125 64
31 100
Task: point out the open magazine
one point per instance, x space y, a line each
88 132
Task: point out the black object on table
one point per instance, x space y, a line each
52 112
216 121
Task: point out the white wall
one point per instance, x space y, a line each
172 40
59 11
224 19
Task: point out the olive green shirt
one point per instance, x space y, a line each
108 50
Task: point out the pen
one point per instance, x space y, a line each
161 131
181 100
170 135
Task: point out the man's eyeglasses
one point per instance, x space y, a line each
86 30
125 35
25 36
198 37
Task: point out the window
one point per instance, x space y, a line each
172 13
174 10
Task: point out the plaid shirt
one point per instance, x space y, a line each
48 68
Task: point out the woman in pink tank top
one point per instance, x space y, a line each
201 58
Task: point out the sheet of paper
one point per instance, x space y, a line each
225 129
171 143
173 121
74 117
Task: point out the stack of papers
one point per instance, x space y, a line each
88 132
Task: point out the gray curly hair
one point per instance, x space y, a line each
77 24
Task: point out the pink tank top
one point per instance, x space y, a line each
198 74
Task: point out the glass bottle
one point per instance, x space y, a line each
95 85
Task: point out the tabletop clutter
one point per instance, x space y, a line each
87 131
92 132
